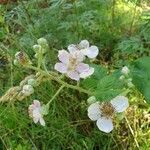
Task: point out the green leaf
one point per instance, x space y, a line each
141 76
99 73
108 87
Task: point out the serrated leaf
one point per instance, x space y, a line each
99 73
108 88
141 76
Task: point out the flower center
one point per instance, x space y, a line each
72 63
107 110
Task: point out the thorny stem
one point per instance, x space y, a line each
58 91
61 81
136 142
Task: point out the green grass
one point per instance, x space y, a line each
67 124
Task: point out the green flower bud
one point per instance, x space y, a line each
27 90
42 41
91 100
37 48
32 82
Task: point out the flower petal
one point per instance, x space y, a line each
63 56
72 48
73 75
60 67
92 52
81 67
78 55
35 120
42 122
36 103
87 73
94 112
120 103
105 124
84 44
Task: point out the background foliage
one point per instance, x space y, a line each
120 28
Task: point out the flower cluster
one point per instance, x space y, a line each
27 87
104 112
40 48
71 61
126 77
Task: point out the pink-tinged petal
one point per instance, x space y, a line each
63 56
78 55
120 103
73 75
92 52
87 73
42 122
60 67
84 44
72 48
105 124
81 67
36 103
94 112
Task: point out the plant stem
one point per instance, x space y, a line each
58 91
61 81
136 142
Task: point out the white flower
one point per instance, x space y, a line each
125 70
85 48
27 90
71 64
35 112
103 112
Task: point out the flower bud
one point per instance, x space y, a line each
16 63
125 70
27 90
130 84
122 77
91 100
42 41
32 82
37 48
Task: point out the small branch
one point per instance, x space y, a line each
60 81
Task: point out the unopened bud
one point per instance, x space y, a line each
27 90
42 41
122 77
125 70
37 48
32 82
91 100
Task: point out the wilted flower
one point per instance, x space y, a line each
85 48
21 58
35 112
104 112
125 70
27 90
71 64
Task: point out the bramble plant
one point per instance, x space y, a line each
72 66
84 84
